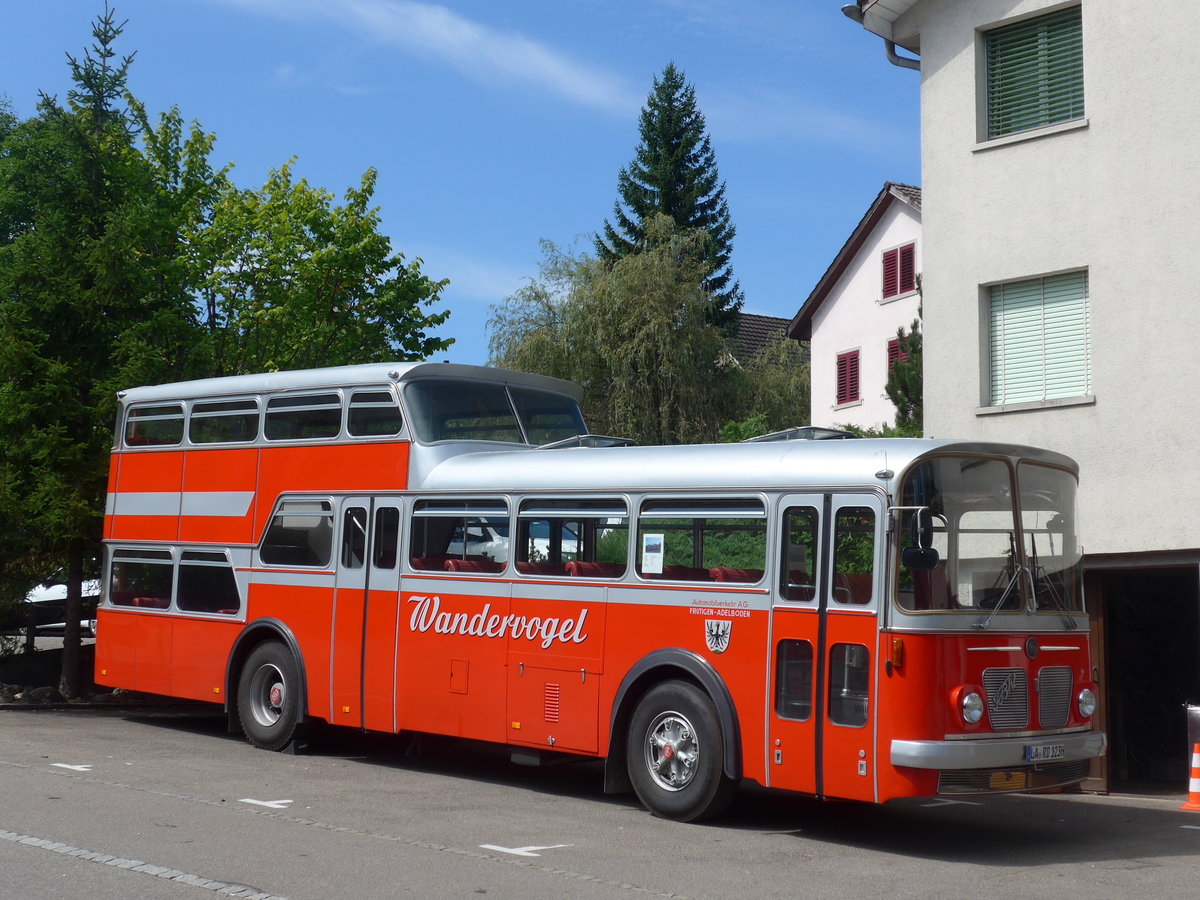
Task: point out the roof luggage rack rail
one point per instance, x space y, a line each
588 440
803 433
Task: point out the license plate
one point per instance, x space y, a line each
1045 752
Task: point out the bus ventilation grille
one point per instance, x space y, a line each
1022 778
552 696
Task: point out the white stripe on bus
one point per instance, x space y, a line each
222 504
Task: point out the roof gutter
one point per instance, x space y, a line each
854 13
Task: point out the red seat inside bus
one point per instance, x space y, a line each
436 563
579 569
486 566
724 573
127 598
540 568
680 573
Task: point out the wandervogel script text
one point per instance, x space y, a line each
428 615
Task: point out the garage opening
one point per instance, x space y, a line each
1152 627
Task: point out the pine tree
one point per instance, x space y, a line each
674 173
904 383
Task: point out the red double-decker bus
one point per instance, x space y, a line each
444 549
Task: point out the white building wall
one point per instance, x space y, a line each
855 317
1117 196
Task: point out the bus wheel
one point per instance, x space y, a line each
267 691
675 752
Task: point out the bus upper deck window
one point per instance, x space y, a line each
303 417
223 422
374 414
154 426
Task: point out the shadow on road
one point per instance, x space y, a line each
1036 830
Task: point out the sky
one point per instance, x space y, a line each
497 125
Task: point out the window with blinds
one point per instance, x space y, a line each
1034 72
1040 336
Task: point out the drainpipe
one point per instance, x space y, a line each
854 12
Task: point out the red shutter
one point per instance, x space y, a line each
890 271
895 354
908 268
847 377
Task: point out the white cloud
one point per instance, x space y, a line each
480 52
484 281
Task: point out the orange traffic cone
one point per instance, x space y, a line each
1193 800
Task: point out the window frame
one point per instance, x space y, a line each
1052 81
899 271
848 374
997 394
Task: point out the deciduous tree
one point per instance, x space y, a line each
634 331
296 280
82 259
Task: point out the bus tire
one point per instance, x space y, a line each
268 688
674 754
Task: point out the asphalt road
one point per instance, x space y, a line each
119 804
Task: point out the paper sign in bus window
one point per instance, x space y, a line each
652 554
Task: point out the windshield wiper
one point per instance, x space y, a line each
1012 582
1050 589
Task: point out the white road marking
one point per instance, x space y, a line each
522 851
136 865
73 768
948 802
272 804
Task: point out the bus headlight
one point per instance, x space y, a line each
1087 703
972 708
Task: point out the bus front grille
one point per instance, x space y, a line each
1054 696
1007 698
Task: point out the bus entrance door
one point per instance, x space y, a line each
823 622
791 735
365 614
845 740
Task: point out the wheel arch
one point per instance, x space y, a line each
258 632
655 668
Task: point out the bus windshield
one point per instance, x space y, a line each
994 555
458 410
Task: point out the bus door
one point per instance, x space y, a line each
823 628
365 609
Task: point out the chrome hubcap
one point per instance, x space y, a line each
671 751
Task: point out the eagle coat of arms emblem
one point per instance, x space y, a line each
716 634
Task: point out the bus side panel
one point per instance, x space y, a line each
116 649
147 496
307 609
153 666
379 664
636 629
346 667
200 649
555 661
354 468
218 490
447 681
913 703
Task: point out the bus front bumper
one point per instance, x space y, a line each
999 752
